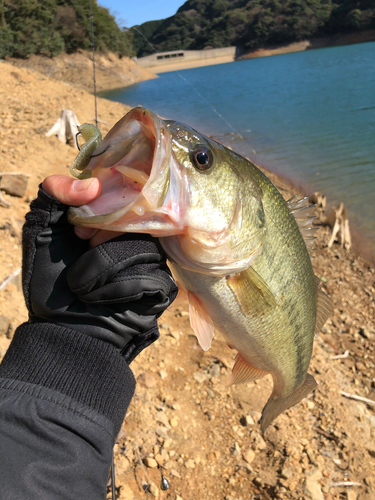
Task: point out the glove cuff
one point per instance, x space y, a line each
84 368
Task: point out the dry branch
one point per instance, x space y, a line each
7 280
369 402
339 223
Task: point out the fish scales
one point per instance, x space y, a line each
232 241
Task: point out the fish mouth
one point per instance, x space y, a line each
136 168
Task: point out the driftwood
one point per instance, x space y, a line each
318 199
339 223
66 127
7 280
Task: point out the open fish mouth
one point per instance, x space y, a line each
142 183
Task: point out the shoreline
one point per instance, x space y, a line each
361 245
274 50
66 96
312 44
204 433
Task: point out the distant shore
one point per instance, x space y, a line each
314 43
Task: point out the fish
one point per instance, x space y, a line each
235 246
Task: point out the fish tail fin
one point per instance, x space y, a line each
277 404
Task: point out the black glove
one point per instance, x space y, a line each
114 292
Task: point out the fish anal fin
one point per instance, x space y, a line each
252 292
200 322
324 307
278 404
243 371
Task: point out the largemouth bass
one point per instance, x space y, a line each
234 245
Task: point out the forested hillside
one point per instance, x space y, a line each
249 24
49 27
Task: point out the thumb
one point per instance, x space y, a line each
72 191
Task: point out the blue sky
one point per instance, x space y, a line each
138 12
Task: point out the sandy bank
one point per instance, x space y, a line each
76 69
314 43
204 433
210 61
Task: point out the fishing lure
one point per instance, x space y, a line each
93 138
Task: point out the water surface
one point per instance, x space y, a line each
309 116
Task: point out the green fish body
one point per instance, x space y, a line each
235 246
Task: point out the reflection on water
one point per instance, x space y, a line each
308 115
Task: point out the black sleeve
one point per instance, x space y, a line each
63 397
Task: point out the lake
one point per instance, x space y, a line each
309 116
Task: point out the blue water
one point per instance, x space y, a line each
309 116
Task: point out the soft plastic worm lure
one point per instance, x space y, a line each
93 138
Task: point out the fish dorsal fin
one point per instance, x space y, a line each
252 292
243 371
303 212
324 307
200 322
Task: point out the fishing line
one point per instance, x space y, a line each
195 90
93 61
211 106
113 472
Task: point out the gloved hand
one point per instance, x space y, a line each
114 292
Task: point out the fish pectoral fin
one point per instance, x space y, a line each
277 404
324 307
243 371
252 292
182 296
200 322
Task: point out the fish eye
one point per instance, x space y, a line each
202 158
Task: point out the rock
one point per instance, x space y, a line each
165 326
122 464
351 495
260 443
312 487
14 184
178 497
126 493
215 371
163 374
168 442
367 332
175 334
286 473
200 377
150 462
154 490
174 421
247 420
170 464
175 474
5 325
161 432
256 415
147 380
190 464
163 419
370 481
248 456
236 450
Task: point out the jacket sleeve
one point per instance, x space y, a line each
63 397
